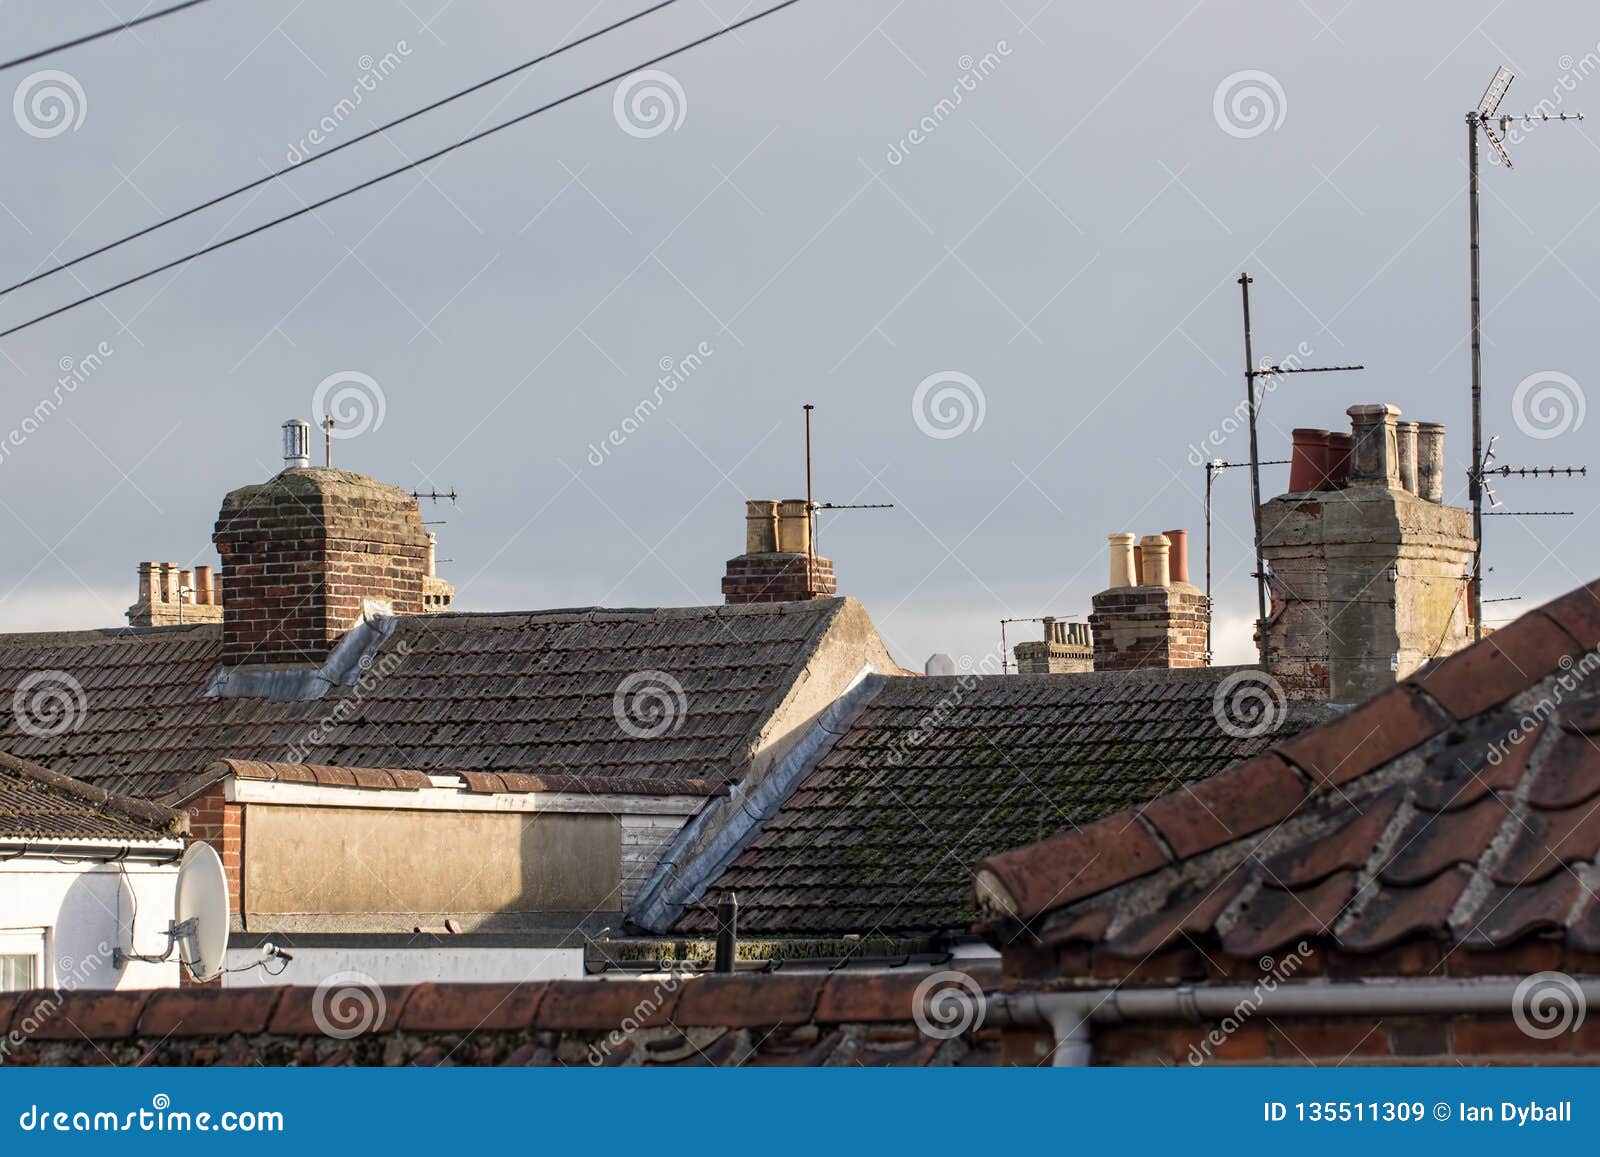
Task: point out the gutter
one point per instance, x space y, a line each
166 851
1070 1016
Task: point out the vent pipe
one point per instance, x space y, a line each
296 444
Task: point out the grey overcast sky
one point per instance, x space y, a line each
1066 235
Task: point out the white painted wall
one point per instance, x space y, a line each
311 966
79 912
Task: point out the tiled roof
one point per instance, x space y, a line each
804 1018
531 693
36 803
1461 807
937 772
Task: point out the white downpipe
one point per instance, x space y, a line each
1071 1015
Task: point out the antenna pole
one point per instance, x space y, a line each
1005 655
1211 475
327 440
811 509
1475 480
1255 473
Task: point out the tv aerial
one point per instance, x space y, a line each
199 928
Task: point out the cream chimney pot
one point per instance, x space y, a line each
1156 550
1121 560
794 526
1430 461
1406 440
761 526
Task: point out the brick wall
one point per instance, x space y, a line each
1141 627
778 578
301 553
215 821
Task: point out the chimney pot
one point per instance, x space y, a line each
1178 558
1406 441
794 526
1155 550
147 584
761 526
169 582
1339 446
1375 454
1122 573
296 444
202 585
1430 461
1309 460
186 586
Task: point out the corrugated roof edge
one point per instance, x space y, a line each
163 821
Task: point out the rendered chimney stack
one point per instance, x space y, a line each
1066 649
1161 621
170 594
1369 586
777 565
1430 461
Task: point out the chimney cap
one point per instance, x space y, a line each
296 444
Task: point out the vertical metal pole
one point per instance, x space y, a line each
1005 655
1474 479
1255 474
1210 474
811 512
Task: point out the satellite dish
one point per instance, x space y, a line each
201 912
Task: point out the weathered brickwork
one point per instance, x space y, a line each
301 554
778 577
1138 627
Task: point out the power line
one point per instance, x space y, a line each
395 172
356 140
66 44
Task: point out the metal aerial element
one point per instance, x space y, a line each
1484 117
1253 406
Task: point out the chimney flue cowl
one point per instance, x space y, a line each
296 444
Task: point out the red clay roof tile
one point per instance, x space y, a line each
472 1008
1229 805
307 1011
604 1005
96 1015
187 1012
1348 847
1578 613
1568 773
1508 914
734 1002
1393 914
1190 914
1546 840
1462 773
1505 664
1068 867
1370 736
1274 916
1433 841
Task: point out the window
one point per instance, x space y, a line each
22 960
18 971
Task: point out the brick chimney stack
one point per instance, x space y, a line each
306 554
1149 615
777 565
1368 574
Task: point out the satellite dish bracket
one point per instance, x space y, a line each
176 931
